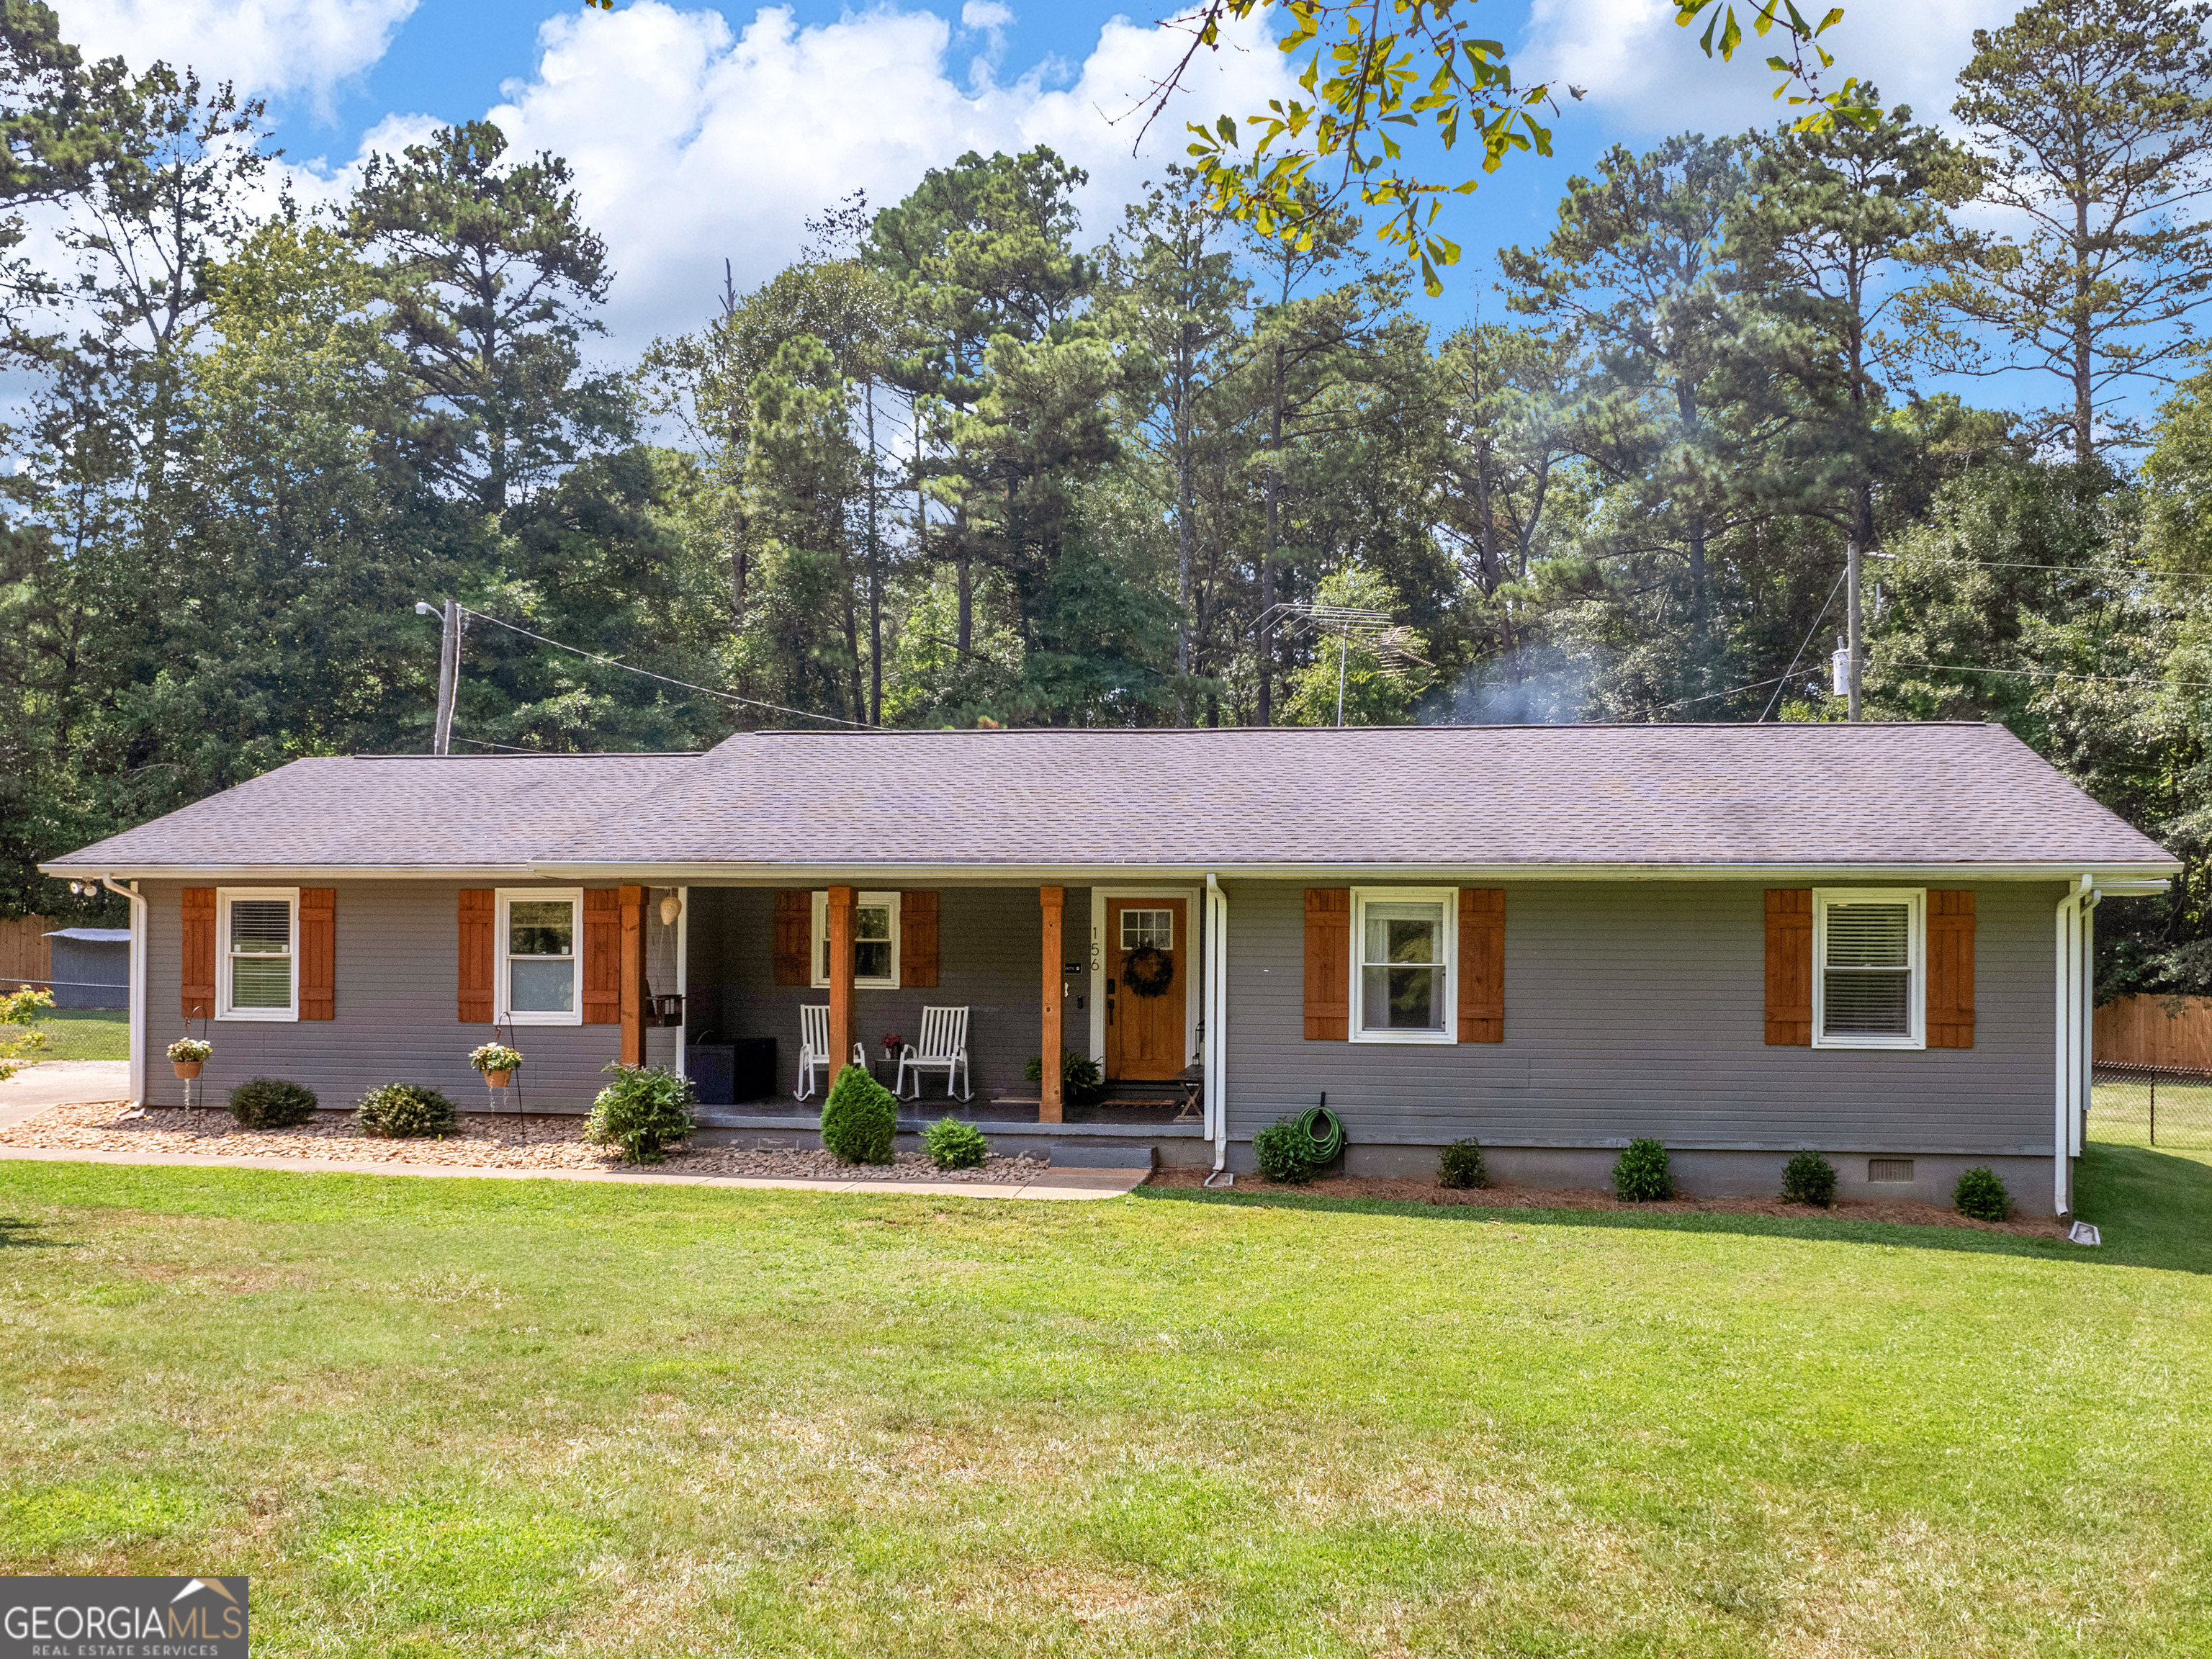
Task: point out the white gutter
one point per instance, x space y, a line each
1215 1058
138 922
2074 974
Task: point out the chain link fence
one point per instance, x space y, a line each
2151 1106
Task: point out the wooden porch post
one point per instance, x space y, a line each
633 975
1055 900
840 979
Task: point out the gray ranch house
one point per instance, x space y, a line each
1872 941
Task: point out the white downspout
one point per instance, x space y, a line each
2086 1052
2072 1059
1215 1058
138 923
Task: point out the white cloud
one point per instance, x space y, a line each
692 144
271 46
1645 76
985 14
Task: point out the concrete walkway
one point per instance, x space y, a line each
1052 1184
62 1083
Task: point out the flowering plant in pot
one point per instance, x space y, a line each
891 1042
496 1061
188 1054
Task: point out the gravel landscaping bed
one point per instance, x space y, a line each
486 1141
1506 1196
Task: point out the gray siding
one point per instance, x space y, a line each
1638 1009
991 944
399 970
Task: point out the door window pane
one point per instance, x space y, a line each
1152 927
1402 967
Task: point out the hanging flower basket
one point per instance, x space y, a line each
1149 971
188 1054
497 1062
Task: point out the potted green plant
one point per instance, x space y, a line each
188 1054
497 1062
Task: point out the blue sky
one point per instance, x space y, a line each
700 134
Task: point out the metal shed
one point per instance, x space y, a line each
91 967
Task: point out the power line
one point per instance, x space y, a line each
2054 673
708 690
1808 640
2067 569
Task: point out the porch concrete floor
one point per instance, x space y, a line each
917 1114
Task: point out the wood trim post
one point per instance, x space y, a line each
633 975
841 902
1050 1102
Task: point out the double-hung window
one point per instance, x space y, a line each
1868 947
257 964
1403 945
875 940
541 956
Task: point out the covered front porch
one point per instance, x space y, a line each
1119 976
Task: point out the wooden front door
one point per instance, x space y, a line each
1145 1034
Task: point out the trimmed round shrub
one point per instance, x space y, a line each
953 1145
270 1102
404 1111
860 1118
1642 1174
1981 1194
1285 1152
645 1110
1462 1165
1809 1178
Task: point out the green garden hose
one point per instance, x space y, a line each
1326 1130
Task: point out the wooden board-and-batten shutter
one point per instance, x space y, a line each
319 953
1790 967
1951 968
198 965
1482 964
479 911
603 957
918 940
793 943
1328 965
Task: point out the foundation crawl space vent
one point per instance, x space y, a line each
1889 1168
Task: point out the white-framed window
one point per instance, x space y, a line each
1152 927
541 956
875 940
1869 945
1404 945
257 953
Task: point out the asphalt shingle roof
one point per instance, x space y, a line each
1762 796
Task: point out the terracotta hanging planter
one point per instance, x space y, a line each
186 1068
497 1080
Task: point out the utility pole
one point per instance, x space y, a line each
449 675
1856 638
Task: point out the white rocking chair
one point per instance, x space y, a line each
944 1047
814 1047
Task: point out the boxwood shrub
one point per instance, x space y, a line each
1285 1152
1981 1194
270 1103
954 1145
645 1110
1462 1165
860 1119
1642 1175
1809 1178
400 1111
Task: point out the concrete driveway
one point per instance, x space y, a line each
60 1083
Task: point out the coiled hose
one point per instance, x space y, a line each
1326 1130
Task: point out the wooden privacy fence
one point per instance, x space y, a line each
2172 1033
25 954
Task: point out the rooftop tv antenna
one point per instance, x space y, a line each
1388 638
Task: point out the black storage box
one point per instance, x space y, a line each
725 1074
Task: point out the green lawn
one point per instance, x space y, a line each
83 1034
444 1417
